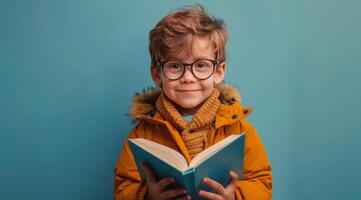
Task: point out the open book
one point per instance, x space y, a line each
214 162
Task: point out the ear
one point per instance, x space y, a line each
219 73
155 72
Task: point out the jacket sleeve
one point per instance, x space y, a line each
127 181
257 176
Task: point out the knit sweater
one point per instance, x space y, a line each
195 132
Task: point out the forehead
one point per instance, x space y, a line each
196 48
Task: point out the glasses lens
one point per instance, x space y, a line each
203 69
173 69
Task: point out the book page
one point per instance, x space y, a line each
166 154
204 155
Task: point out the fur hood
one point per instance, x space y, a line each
144 103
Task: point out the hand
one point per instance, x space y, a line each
222 193
157 189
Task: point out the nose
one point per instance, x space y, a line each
188 75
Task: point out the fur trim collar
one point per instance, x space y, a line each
144 103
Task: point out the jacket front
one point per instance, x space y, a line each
230 119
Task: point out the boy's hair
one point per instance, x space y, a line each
174 34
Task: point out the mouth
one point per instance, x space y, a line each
187 91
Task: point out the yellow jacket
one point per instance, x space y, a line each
230 119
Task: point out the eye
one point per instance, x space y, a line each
175 65
203 65
200 65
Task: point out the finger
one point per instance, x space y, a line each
173 193
164 182
209 195
148 172
215 185
233 180
186 197
183 197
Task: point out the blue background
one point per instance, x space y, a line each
68 70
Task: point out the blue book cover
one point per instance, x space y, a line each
214 162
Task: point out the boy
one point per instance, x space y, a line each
191 110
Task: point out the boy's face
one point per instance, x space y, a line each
189 92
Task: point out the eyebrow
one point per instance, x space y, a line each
178 59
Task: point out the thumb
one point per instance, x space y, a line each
148 172
233 180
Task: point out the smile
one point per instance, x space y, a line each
187 91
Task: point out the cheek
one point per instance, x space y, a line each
167 86
208 84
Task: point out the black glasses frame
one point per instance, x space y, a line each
214 62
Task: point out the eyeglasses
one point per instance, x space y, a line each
201 69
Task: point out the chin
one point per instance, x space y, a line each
189 105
